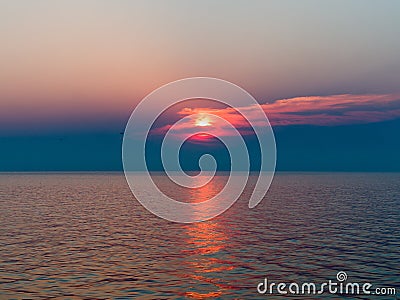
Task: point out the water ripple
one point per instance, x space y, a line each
83 236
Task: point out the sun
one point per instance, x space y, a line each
203 121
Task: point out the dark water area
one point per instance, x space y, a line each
84 236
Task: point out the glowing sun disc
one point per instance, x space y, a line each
203 121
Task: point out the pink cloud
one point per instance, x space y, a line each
310 110
334 109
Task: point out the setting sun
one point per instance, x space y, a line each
203 121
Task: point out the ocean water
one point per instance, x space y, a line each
84 236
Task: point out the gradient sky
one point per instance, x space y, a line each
327 75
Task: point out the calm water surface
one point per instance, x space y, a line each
84 236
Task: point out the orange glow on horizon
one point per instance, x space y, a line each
201 137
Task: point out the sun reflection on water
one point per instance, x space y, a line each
207 242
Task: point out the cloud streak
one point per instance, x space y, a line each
331 110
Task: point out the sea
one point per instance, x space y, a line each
85 236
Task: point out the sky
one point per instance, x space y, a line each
326 74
